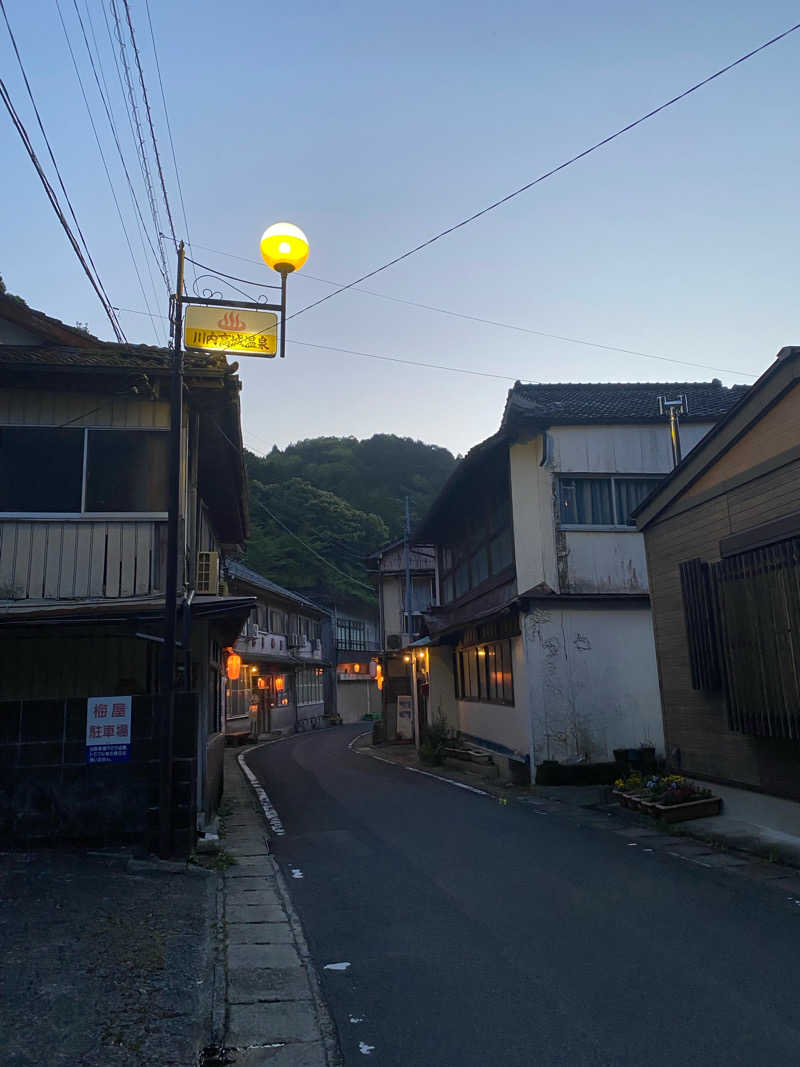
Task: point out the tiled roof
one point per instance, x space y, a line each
107 355
238 570
580 402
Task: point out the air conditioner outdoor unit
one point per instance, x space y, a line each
252 629
317 644
394 641
207 580
295 640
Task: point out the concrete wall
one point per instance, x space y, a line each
533 516
593 683
603 561
499 724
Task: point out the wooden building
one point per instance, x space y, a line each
542 643
722 536
286 646
83 518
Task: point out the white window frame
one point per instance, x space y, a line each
616 526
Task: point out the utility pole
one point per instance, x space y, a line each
674 408
166 679
408 571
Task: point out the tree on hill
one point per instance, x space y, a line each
374 475
308 539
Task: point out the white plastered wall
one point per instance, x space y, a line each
593 682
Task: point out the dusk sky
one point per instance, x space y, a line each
373 127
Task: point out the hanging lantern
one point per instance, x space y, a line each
233 665
262 683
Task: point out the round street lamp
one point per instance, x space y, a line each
284 247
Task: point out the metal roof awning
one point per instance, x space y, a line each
133 609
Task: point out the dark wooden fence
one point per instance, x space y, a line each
743 626
759 613
49 793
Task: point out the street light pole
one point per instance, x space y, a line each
166 678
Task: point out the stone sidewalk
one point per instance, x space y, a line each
274 1013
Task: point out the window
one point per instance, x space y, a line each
126 470
701 624
483 673
309 685
41 469
78 471
278 622
481 549
603 501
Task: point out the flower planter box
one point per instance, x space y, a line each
692 809
632 801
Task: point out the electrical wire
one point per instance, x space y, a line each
105 97
138 136
231 277
6 98
150 121
478 373
548 174
478 318
94 277
313 551
107 172
169 130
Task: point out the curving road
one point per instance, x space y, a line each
481 935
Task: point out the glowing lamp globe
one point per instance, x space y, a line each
284 247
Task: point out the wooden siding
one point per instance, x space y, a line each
70 560
696 722
36 407
775 432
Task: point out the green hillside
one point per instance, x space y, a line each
343 498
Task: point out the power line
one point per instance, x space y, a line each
93 274
169 129
484 321
313 551
105 168
150 121
105 97
57 208
485 374
548 174
138 136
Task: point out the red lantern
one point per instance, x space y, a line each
233 665
262 683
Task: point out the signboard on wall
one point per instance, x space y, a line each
250 333
108 729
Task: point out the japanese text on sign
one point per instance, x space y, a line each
108 729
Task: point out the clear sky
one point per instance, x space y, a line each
373 126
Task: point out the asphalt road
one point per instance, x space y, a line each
487 935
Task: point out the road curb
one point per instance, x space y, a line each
328 1036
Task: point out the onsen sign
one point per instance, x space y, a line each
251 333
